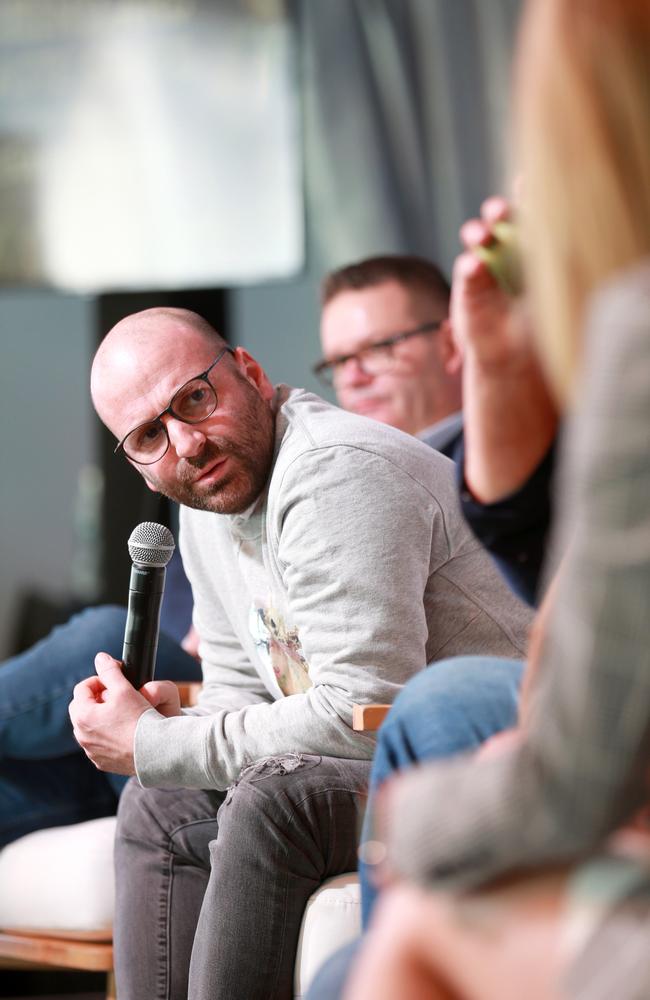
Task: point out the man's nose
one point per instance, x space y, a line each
187 440
352 373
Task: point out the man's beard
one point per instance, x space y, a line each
251 456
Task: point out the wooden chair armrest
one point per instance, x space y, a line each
368 717
189 692
364 717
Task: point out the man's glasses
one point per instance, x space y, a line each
193 402
374 359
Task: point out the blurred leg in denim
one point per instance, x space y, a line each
450 707
45 779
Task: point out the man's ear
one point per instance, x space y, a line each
452 358
253 372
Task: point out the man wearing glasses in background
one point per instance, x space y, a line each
389 353
388 347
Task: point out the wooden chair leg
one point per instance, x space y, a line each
111 993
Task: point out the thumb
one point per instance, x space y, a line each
109 671
164 696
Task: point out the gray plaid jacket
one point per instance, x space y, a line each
583 769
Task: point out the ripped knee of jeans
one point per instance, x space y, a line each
277 764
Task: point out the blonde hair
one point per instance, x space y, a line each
583 131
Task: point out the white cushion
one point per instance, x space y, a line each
60 879
332 918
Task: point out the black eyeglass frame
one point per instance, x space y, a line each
321 368
203 377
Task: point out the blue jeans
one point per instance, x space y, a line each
451 707
45 778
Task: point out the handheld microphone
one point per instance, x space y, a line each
151 546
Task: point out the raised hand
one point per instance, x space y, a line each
510 418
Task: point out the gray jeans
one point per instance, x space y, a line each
212 886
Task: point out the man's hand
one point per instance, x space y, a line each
191 643
163 696
104 711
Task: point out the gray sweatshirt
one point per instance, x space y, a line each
350 572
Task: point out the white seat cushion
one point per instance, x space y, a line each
60 879
332 918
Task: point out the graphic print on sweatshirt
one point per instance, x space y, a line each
278 646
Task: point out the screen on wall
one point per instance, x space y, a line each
148 143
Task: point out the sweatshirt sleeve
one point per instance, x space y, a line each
354 565
582 769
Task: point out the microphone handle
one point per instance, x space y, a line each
146 588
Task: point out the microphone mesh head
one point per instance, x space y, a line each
151 544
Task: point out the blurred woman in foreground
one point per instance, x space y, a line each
529 881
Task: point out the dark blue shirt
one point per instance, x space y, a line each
514 530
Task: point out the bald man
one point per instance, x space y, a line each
329 562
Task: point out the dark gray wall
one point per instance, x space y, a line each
278 324
45 438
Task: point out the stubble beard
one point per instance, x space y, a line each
251 458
